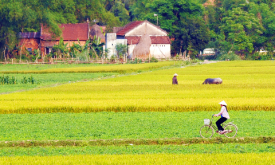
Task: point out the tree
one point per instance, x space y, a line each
121 50
266 15
96 47
240 30
183 20
61 49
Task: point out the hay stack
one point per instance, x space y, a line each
142 50
96 31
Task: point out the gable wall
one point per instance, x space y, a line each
151 30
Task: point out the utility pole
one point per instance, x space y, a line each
156 15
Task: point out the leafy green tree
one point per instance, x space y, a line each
183 20
121 50
266 16
96 47
241 30
61 49
140 9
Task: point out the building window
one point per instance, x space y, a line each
48 50
29 50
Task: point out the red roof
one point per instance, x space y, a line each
128 27
70 32
154 40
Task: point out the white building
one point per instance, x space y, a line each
130 34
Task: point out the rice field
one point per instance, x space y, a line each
132 114
86 68
244 159
246 86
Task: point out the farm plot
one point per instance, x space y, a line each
246 159
141 125
138 149
47 80
246 86
89 68
138 115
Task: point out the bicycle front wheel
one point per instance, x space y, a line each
206 131
231 130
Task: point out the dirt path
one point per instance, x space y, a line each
125 142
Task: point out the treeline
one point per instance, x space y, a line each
240 27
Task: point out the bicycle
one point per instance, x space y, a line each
207 130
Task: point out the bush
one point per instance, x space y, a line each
136 61
229 56
258 56
152 59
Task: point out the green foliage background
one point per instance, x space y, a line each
228 25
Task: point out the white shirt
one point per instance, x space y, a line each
224 113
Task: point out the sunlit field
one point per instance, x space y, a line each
130 114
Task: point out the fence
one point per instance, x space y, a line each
90 61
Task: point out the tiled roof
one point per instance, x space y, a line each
35 35
70 32
154 40
128 27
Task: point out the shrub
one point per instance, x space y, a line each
229 56
152 59
136 61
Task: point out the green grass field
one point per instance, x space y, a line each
138 149
51 79
138 125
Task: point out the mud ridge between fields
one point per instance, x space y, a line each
123 142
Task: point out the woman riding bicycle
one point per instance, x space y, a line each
224 116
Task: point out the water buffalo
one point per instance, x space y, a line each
212 81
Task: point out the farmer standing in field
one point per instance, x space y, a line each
174 80
224 116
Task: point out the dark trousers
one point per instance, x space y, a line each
219 122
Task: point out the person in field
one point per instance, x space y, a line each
174 80
224 116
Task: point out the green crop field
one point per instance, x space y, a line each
139 149
113 114
137 125
50 79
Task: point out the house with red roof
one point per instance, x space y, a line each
130 35
70 33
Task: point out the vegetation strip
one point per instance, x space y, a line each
141 159
139 149
120 142
126 68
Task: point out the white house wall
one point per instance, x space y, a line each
110 44
160 50
152 30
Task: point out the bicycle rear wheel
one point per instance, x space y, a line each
206 131
231 130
